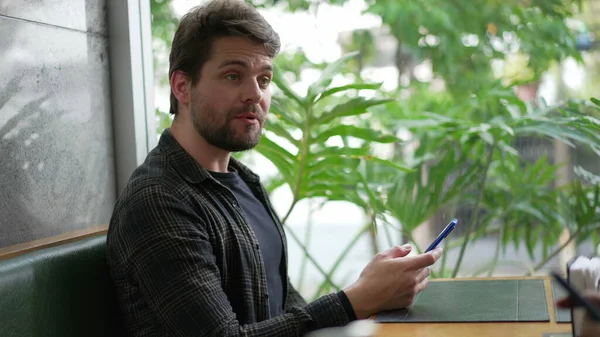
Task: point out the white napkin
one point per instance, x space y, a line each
584 276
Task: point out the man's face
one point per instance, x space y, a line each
230 102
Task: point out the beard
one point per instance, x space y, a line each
217 129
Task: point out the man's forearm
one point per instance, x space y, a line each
294 299
326 311
196 306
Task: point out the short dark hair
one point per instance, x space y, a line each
198 29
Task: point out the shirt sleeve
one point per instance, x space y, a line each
172 260
294 299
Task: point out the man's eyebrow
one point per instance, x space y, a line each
243 63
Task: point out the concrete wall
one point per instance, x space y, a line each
56 140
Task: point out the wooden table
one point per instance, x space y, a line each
483 329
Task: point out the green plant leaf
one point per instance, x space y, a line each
565 129
345 130
282 84
595 101
164 120
339 178
429 121
413 200
389 164
279 111
339 151
327 75
356 86
347 193
280 130
353 107
330 163
526 207
374 202
285 162
273 183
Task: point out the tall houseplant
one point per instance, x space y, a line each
312 164
474 163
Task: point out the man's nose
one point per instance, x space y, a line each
251 92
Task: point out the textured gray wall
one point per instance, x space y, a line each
56 149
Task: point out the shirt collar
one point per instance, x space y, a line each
182 162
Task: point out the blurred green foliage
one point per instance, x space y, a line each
461 145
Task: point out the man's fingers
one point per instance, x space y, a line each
423 274
564 302
422 285
424 260
592 296
398 251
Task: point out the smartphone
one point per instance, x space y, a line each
442 235
576 299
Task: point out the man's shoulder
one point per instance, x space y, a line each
153 185
146 207
157 175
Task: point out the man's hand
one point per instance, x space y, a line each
390 281
589 328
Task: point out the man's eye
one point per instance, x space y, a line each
232 77
265 80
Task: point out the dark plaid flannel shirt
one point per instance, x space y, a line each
185 262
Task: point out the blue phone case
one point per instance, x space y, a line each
442 235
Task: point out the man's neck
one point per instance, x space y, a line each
208 156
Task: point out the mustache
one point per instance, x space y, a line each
252 108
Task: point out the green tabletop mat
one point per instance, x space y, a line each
562 315
475 301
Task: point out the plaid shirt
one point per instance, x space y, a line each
185 262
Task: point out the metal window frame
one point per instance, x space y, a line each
132 85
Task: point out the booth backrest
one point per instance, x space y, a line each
59 291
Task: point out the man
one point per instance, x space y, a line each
194 246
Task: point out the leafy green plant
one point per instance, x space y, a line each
460 40
506 193
463 149
312 165
314 141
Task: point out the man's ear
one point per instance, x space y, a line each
180 86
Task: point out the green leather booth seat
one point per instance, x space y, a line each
61 291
